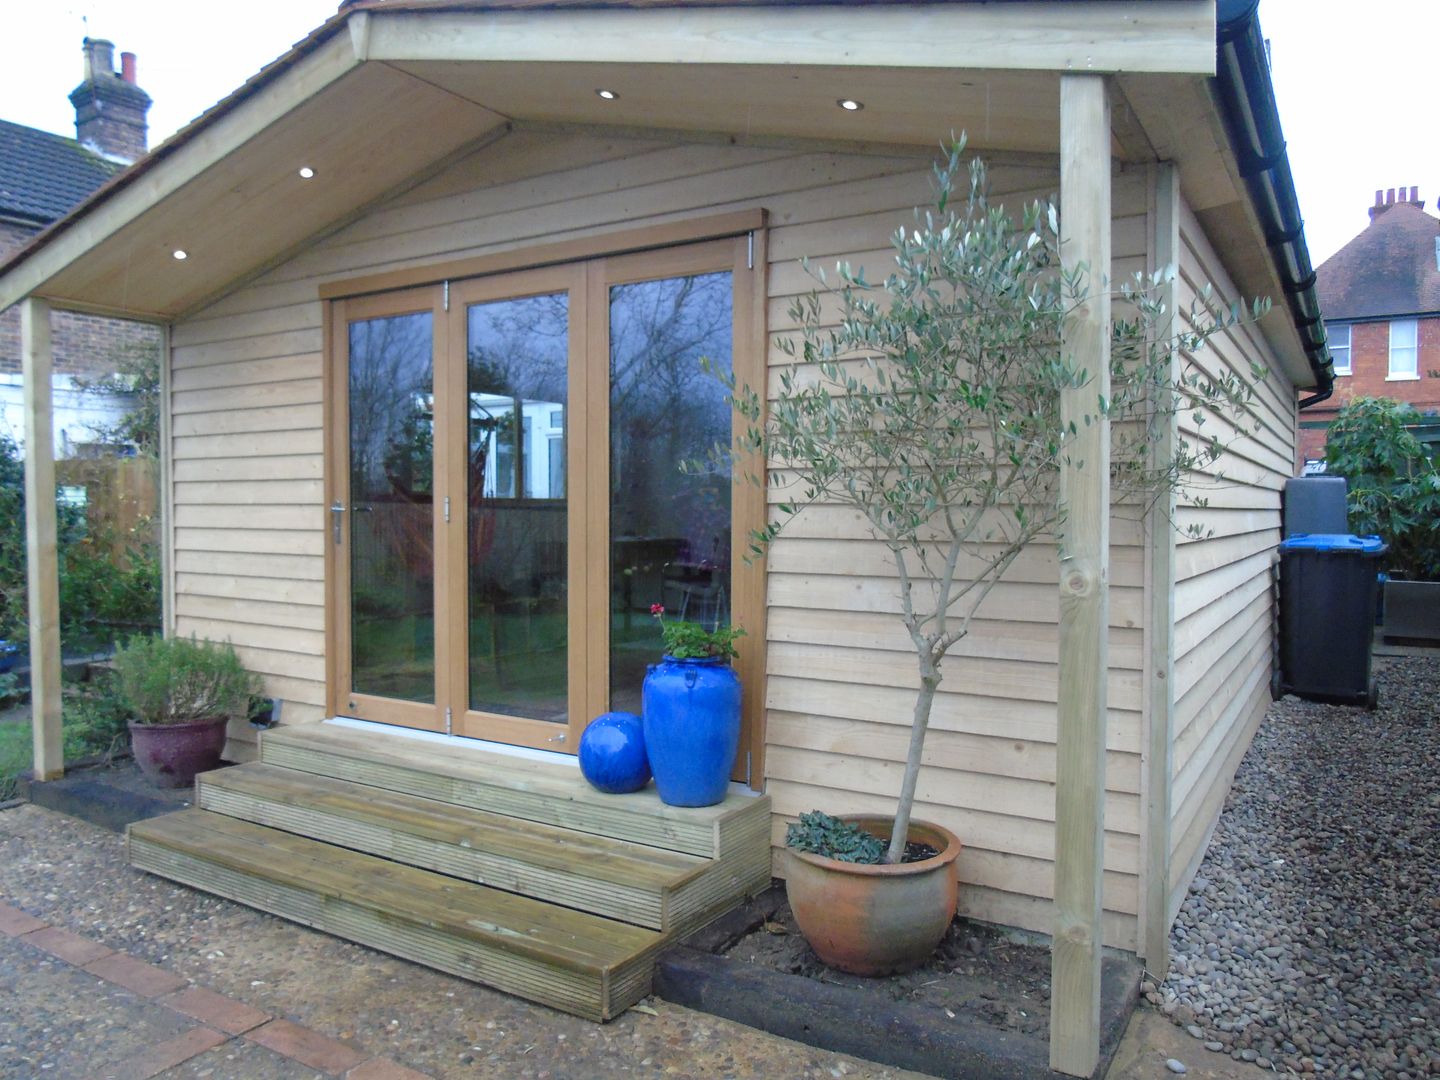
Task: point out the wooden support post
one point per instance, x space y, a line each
1084 570
37 363
1156 777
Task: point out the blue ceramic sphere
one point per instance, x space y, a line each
612 754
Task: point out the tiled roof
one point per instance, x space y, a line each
1389 269
43 175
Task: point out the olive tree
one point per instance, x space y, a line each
930 404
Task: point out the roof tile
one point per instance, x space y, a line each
43 175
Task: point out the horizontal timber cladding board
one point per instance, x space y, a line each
203 330
374 903
1196 593
238 420
252 564
1001 717
247 610
1021 601
280 446
1017 679
277 638
1238 617
978 828
1246 671
227 470
238 376
306 492
272 590
987 638
288 344
1192 560
852 558
886 740
1032 913
1034 799
836 522
277 518
290 393
253 541
536 791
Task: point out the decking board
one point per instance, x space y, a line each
567 959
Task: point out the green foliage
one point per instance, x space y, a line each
1394 486
177 680
102 584
95 718
137 375
691 641
829 837
931 406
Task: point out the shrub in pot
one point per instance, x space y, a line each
930 405
183 692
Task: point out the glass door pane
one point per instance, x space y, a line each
669 531
392 548
517 355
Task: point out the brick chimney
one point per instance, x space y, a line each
1387 198
109 108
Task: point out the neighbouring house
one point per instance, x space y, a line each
1381 297
42 177
439 243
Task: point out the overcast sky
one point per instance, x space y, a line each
1354 81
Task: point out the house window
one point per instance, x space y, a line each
1339 337
1404 359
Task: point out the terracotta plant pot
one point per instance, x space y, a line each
875 920
170 755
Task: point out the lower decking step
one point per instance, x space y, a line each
620 880
580 963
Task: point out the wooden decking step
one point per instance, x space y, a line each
648 886
581 963
516 787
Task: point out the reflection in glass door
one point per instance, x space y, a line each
669 530
517 356
391 508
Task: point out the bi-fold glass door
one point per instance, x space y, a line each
512 502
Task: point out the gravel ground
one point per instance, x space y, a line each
56 1022
1310 939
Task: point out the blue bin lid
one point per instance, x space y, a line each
1359 545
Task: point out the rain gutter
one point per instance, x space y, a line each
1247 102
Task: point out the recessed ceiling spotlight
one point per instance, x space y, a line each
306 172
181 254
607 95
850 104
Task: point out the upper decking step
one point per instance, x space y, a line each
513 786
582 963
614 878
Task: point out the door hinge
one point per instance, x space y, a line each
748 770
447 509
750 251
447 296
449 724
337 508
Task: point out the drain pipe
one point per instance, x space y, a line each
1247 101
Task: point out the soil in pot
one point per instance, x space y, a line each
978 973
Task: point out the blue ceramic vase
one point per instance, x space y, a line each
612 754
692 728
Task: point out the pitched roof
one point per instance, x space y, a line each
42 176
1392 268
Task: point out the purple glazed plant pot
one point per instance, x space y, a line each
170 755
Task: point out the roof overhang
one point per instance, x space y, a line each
388 92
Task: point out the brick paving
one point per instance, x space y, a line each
222 1019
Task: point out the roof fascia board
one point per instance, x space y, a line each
311 74
1177 36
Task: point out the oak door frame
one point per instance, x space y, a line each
339 695
744 253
